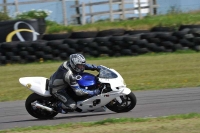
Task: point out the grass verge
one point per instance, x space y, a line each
174 124
147 72
170 20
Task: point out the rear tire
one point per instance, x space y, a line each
115 106
37 112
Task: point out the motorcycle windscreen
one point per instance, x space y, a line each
107 74
35 84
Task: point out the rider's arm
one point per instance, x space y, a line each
92 67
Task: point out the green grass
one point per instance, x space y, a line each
145 72
183 123
171 20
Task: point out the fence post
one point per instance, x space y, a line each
78 12
150 7
154 8
64 12
111 11
83 13
5 6
16 6
92 17
139 10
122 16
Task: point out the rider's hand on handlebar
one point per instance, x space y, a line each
97 91
98 68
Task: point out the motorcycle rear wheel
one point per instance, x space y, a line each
37 112
128 103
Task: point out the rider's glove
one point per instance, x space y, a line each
97 92
98 68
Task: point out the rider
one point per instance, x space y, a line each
65 77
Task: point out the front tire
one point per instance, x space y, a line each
37 112
128 103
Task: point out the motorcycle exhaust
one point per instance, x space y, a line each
37 105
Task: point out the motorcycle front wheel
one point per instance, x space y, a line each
38 112
128 102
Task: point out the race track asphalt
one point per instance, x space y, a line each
149 104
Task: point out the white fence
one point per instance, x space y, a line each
139 7
21 5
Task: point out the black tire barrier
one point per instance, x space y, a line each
154 40
188 27
54 43
48 57
91 34
147 36
16 59
103 41
116 48
31 58
38 45
111 32
162 29
30 50
197 48
60 36
71 51
178 47
186 43
134 48
85 41
9 46
55 52
179 34
63 47
123 45
195 32
143 50
63 56
47 49
134 32
23 45
126 52
3 60
39 54
23 54
93 45
141 43
94 53
71 41
86 50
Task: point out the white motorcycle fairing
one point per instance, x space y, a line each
103 99
116 84
36 84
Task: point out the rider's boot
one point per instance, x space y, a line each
60 109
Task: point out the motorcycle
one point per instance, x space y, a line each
114 95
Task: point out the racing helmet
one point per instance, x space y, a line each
77 62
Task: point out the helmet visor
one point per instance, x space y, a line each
81 67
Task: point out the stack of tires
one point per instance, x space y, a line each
115 42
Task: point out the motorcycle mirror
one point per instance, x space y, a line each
78 77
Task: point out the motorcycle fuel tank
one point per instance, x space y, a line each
87 80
